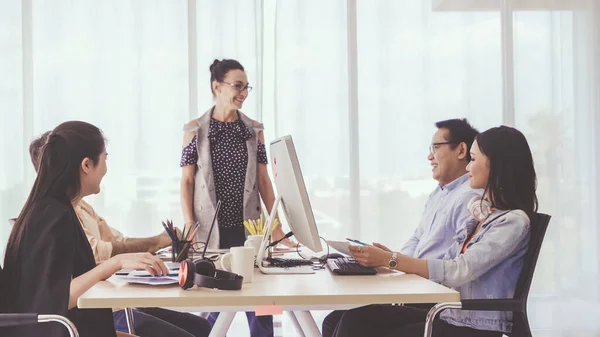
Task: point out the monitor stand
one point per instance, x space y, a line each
265 242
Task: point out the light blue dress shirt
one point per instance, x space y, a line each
444 215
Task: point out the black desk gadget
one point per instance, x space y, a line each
203 273
288 263
348 266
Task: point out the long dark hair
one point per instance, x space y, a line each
512 180
59 178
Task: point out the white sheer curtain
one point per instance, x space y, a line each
12 151
311 101
230 29
416 67
124 66
121 65
554 107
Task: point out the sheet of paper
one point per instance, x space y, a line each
145 273
340 246
164 250
172 266
215 251
284 249
268 310
155 281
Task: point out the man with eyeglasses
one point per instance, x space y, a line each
446 209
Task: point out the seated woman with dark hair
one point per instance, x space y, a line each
486 258
49 262
107 242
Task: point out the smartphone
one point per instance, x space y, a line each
357 242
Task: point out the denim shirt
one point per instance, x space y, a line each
445 213
488 269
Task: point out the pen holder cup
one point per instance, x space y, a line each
180 250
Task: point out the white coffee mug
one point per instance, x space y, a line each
239 260
254 242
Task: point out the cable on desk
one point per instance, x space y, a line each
194 250
326 244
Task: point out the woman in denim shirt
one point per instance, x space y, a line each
487 255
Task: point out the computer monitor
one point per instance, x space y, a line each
289 184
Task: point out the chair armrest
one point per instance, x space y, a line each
17 319
496 304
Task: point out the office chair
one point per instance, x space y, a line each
517 304
7 320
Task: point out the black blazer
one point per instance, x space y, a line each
54 249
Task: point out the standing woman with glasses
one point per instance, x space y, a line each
224 159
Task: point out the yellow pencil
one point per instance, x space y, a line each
249 228
262 225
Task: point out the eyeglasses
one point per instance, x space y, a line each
435 146
239 87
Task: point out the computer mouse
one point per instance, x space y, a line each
323 258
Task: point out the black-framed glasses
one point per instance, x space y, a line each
239 87
435 146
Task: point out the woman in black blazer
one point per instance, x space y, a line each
49 262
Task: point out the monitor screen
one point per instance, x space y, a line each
289 184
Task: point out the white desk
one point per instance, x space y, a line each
295 293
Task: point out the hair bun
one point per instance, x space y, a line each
52 137
214 65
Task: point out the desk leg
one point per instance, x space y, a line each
307 323
130 322
295 323
222 324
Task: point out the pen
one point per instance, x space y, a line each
183 233
168 231
173 231
356 241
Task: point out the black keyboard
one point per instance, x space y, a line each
288 263
348 266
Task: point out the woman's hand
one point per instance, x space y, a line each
371 256
278 234
140 261
379 245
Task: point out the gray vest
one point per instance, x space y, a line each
205 197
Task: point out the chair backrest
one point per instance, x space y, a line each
2 309
538 231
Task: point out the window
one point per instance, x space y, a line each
125 66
